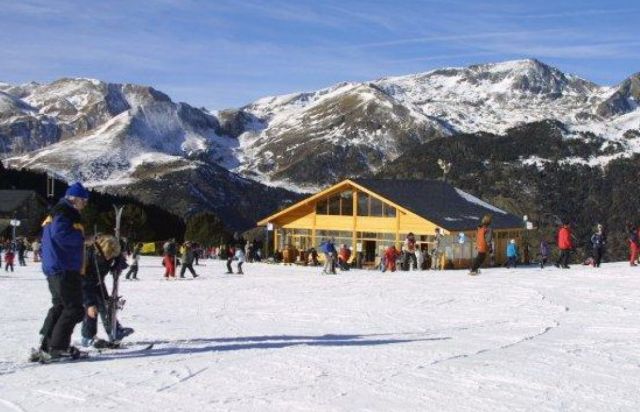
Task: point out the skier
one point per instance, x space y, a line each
419 258
634 244
62 263
343 257
484 242
391 255
512 254
103 257
565 244
9 256
410 252
240 257
231 254
22 249
169 259
327 247
544 253
187 260
135 260
435 252
598 242
35 246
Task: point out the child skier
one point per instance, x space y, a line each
9 257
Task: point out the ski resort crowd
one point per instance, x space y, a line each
76 266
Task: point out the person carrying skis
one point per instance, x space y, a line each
484 242
103 257
63 265
565 244
512 254
436 252
135 260
598 242
187 260
634 244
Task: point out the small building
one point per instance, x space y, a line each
24 205
368 215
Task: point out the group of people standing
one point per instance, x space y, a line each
19 248
170 259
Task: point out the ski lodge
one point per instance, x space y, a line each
368 215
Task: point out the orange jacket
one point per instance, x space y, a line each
481 241
564 238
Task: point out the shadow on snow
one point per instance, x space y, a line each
193 346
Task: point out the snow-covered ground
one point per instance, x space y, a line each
286 338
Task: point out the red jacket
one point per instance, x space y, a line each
564 238
391 254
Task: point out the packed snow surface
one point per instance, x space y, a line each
287 338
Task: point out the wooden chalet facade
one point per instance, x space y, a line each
368 215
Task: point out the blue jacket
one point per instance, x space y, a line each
327 247
62 240
512 250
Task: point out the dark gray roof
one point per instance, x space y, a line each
440 203
11 200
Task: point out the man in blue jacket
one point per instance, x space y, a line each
63 264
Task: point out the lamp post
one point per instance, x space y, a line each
14 224
525 246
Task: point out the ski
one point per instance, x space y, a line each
115 302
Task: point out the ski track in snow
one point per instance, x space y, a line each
287 338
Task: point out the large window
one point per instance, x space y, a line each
336 204
363 204
371 206
375 207
346 199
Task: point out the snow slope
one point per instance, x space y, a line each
286 338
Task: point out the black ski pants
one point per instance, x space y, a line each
186 266
7 266
563 260
229 268
133 272
478 261
90 325
597 256
65 312
407 257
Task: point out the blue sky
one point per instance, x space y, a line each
226 53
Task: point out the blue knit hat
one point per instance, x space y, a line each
77 190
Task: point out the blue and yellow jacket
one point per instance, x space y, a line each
62 240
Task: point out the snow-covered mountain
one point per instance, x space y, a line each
118 136
126 139
353 128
